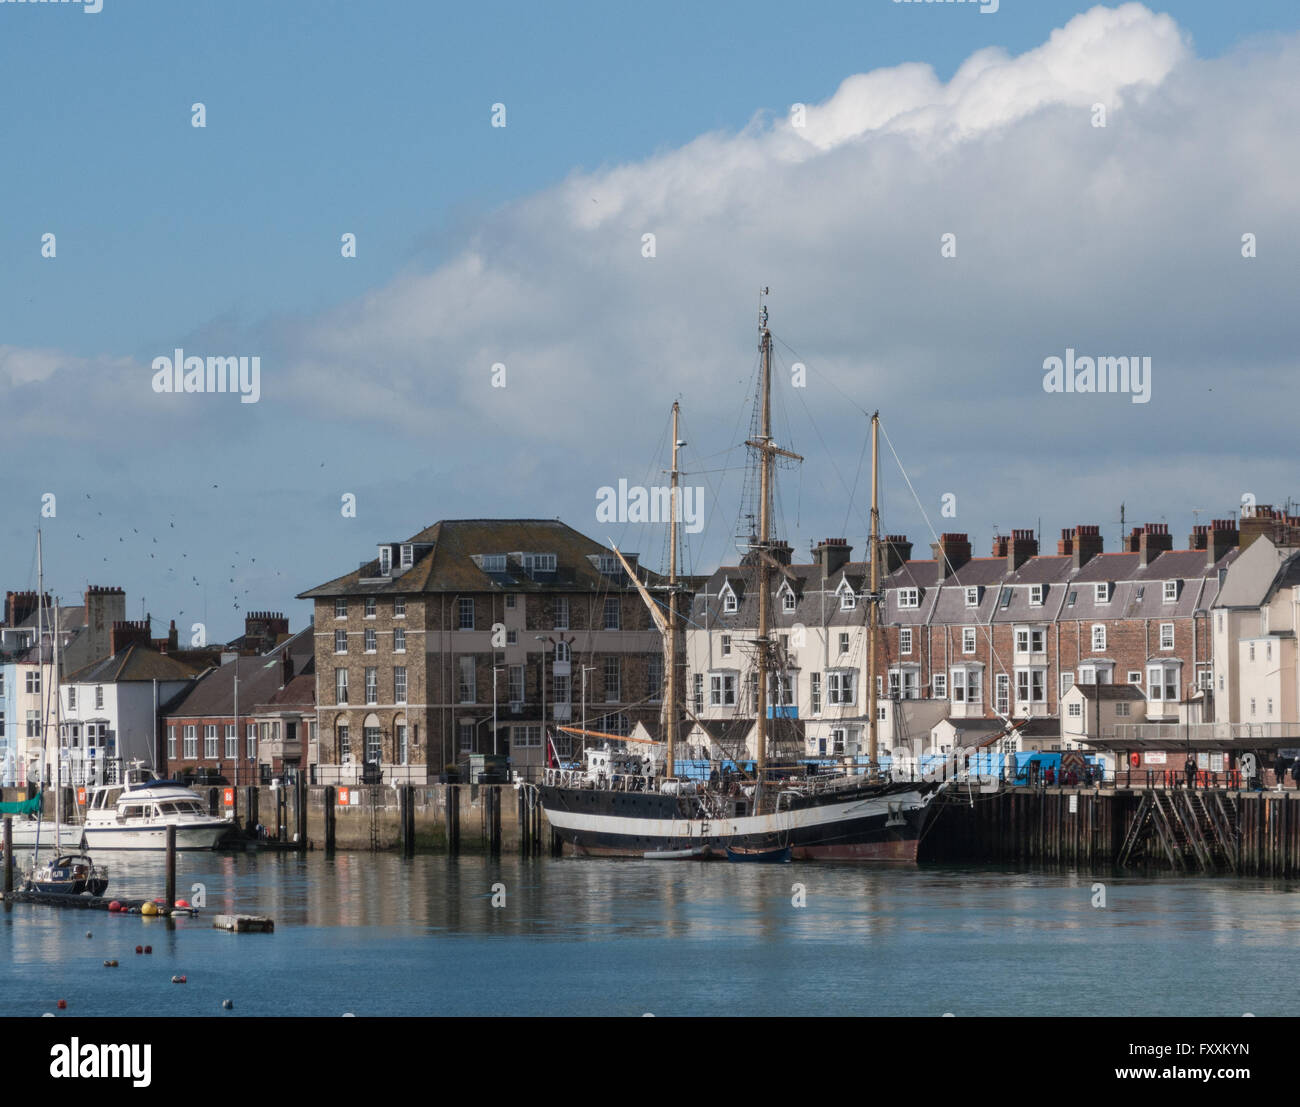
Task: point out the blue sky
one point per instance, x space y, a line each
326 118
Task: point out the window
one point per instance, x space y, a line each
815 692
72 697
399 640
372 686
729 603
1002 693
561 613
232 742
2 684
848 601
1171 591
781 689
1098 637
1029 640
698 693
525 736
372 640
340 686
1005 600
967 685
494 563
370 607
1135 676
33 724
608 565
512 638
726 645
905 640
99 697
407 556
1035 595
841 687
787 602
939 685
561 689
654 678
612 613
385 560
563 652
844 643
1162 683
1101 592
613 680
1076 710
403 750
191 742
909 597
510 600
33 683
1031 685
250 740
340 641
1166 636
959 686
1122 709
465 609
171 743
972 597
374 747
465 691
967 639
1069 602
466 737
399 607
399 684
210 741
515 684
340 608
537 563
1067 682
722 689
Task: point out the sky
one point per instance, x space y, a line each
524 247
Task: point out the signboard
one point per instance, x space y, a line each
1216 762
81 796
1157 757
1203 761
343 797
355 798
228 797
1074 803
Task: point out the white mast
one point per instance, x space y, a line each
58 738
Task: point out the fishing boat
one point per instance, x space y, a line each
854 812
68 874
135 814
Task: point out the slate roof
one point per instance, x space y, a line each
133 663
444 561
1109 691
259 679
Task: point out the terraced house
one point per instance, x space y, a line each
415 648
963 637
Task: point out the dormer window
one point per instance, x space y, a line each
972 597
848 601
494 563
909 597
609 564
385 560
787 600
1035 595
729 602
407 556
1171 591
1101 592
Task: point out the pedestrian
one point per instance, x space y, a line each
1051 775
1190 769
1295 772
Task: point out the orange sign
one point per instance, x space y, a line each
229 797
81 796
343 797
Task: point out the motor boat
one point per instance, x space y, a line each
136 813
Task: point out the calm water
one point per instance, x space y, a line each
376 935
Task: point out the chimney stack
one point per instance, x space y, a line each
1086 544
897 551
262 630
780 550
125 632
1021 548
1281 528
1000 544
1153 539
19 605
832 554
1065 544
1219 539
951 552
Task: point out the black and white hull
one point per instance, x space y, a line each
881 822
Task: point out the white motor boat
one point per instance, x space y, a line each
137 813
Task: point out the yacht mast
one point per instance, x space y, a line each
670 766
58 737
873 598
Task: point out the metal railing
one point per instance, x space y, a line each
1206 732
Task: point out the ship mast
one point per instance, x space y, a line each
873 597
670 765
768 452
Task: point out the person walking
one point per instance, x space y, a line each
1190 770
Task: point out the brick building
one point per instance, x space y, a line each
411 646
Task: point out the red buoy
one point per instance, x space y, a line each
182 903
148 949
116 905
139 949
63 1005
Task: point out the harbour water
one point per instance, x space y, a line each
373 934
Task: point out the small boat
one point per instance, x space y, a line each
136 814
775 855
69 874
695 854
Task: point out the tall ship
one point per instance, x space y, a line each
770 805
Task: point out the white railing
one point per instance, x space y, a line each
1207 732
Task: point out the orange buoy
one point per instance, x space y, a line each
62 1005
115 905
183 903
139 949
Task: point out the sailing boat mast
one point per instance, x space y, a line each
670 764
764 538
58 736
873 614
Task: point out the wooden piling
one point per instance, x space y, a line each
330 815
171 866
9 853
251 816
300 805
453 819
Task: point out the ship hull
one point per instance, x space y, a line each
189 836
878 825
